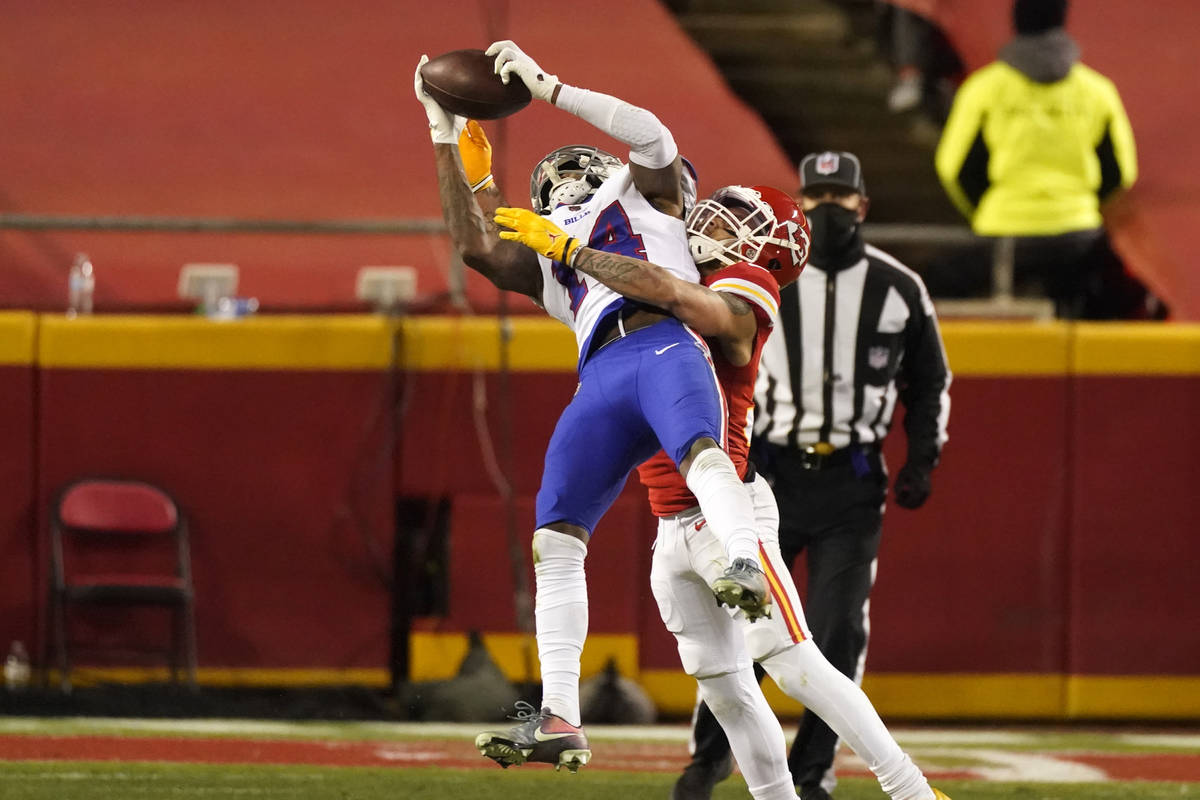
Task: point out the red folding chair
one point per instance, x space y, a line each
121 543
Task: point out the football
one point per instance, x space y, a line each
464 82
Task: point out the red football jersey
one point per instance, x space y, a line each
669 494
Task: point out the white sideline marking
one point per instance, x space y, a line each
908 737
80 776
1010 766
996 765
1184 741
975 736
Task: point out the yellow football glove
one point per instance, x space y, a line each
537 233
476 153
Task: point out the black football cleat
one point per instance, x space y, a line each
540 737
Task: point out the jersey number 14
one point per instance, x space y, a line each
611 233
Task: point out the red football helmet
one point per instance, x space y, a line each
766 228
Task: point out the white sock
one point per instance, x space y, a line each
561 614
754 733
804 674
725 502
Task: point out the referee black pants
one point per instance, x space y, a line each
833 516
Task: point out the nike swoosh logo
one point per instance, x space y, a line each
548 737
665 349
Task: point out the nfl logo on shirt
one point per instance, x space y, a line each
877 357
827 163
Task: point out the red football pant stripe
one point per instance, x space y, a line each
782 602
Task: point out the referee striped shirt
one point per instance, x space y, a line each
849 343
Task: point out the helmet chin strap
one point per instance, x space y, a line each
704 249
569 193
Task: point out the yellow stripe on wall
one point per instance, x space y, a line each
1000 696
437 656
378 678
895 695
286 342
979 696
18 338
537 344
1133 697
1136 349
986 349
542 344
904 696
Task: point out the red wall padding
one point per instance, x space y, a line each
1134 603
1060 537
990 576
18 569
978 573
286 478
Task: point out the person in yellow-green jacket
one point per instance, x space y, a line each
1035 143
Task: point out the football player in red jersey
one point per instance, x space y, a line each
748 242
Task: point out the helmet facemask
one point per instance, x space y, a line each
767 229
734 211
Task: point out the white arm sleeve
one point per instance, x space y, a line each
651 144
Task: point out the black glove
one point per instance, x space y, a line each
762 453
912 486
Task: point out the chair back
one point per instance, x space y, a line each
108 526
117 507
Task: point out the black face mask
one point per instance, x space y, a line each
836 239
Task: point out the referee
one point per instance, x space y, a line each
856 332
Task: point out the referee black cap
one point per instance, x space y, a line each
832 168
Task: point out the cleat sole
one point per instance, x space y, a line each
500 751
507 754
736 597
573 760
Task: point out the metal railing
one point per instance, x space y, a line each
151 224
1002 302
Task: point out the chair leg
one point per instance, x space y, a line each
60 642
189 641
176 643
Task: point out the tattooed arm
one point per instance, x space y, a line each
724 317
507 265
718 315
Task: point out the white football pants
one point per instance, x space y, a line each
687 553
713 651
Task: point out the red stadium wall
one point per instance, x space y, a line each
1060 529
1033 584
276 438
18 479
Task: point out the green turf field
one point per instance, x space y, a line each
92 781
112 759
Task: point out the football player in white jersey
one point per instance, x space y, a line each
646 380
749 242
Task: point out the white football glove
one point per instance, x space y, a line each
444 127
511 60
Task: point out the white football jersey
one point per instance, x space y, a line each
616 219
